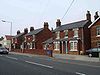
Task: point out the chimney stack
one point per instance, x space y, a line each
46 25
25 30
88 16
58 23
31 29
96 15
18 32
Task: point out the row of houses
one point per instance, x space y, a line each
77 37
71 38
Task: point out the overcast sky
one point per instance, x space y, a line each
27 13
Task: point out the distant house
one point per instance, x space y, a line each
95 31
72 38
35 38
19 39
6 42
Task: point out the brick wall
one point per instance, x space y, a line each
94 38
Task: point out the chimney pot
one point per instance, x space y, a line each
88 15
58 23
46 25
31 29
96 15
26 30
18 32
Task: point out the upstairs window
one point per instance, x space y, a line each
98 31
66 33
58 35
75 32
33 37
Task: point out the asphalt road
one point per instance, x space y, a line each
14 64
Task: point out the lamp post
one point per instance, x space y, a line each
10 31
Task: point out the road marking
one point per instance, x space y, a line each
78 73
39 64
12 57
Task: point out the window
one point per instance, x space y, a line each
75 32
30 45
98 44
56 45
66 33
98 31
73 45
33 37
57 35
33 45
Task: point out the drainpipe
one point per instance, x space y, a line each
62 47
82 40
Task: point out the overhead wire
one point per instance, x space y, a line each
67 10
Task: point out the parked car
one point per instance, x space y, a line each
3 50
94 52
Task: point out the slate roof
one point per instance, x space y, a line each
8 37
18 35
77 24
94 21
34 32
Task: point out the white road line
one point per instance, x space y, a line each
39 64
78 73
12 57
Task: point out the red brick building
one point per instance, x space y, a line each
72 38
35 38
95 32
18 39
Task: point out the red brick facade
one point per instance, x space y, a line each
95 38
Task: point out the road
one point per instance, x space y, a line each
15 64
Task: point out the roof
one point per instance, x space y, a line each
9 37
34 32
94 22
77 24
48 41
18 35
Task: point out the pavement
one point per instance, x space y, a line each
77 57
30 64
66 57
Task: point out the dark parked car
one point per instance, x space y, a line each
93 52
3 50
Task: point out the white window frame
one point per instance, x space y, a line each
73 44
75 32
33 37
98 44
58 35
65 33
57 46
30 45
25 39
98 31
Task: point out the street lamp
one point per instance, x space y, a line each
10 24
10 31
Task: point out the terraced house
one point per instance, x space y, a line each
19 39
72 38
95 31
34 39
